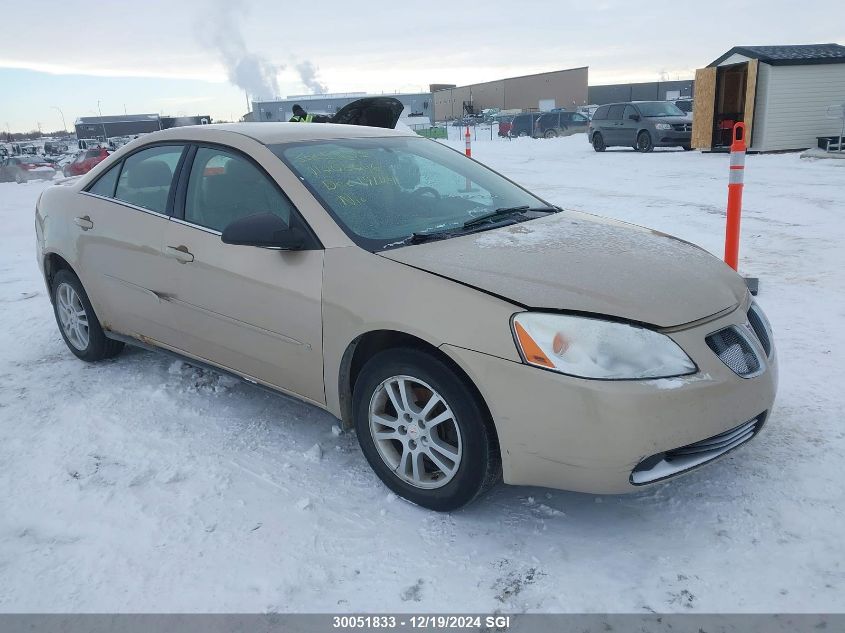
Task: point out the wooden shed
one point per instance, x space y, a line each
786 95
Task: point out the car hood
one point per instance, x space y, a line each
579 262
372 111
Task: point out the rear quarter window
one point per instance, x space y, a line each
601 113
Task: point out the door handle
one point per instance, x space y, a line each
84 223
179 253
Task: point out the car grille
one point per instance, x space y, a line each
687 457
735 350
758 324
682 127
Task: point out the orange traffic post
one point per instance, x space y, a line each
469 143
735 185
736 182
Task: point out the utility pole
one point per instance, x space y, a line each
64 125
103 123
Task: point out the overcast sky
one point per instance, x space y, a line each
177 56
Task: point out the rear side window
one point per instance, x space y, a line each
147 176
105 183
601 113
615 111
225 186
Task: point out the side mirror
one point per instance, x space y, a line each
266 230
634 117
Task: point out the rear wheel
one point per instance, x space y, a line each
644 142
598 142
424 431
77 322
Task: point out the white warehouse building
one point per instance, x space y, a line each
418 104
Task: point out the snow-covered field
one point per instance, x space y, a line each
143 485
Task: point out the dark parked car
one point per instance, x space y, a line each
642 125
22 169
553 124
524 124
685 105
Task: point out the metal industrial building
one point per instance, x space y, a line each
787 97
416 104
103 127
647 91
541 91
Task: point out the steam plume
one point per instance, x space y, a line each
220 31
308 74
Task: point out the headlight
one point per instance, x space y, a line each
662 126
595 348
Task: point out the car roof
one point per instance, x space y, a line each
271 133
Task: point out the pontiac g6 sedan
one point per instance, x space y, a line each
467 329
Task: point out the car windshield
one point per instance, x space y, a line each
659 108
382 191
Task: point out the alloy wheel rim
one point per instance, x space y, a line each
415 432
72 316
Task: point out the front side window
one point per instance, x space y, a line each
225 186
383 190
147 176
105 183
630 111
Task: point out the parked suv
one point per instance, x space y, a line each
524 124
552 124
642 125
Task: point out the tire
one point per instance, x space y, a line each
93 347
522 134
550 134
19 179
644 142
598 142
466 430
686 147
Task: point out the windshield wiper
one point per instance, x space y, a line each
505 212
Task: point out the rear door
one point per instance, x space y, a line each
610 126
255 311
119 227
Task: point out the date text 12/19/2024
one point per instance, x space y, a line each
433 622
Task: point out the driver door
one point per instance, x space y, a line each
254 311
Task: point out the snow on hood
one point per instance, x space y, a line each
579 262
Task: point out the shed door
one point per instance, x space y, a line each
750 98
705 103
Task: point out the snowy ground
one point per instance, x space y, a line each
143 485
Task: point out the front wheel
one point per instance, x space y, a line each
550 134
77 322
598 142
424 431
644 142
